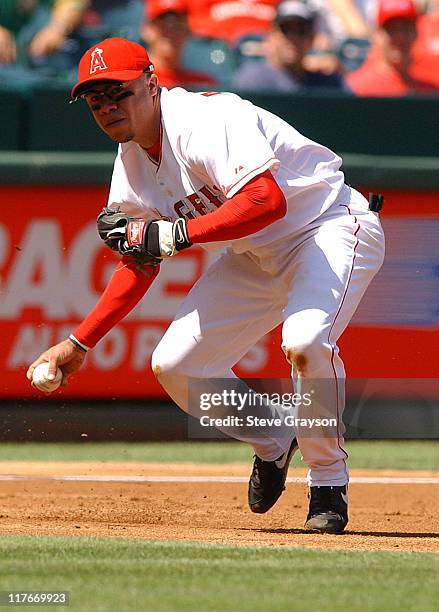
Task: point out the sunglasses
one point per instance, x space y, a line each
113 92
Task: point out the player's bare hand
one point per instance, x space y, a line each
8 50
46 41
64 355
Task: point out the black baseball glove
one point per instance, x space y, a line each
146 241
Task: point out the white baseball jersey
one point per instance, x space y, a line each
212 145
321 257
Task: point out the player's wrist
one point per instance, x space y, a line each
180 234
166 238
77 344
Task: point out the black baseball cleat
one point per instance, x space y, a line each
328 509
267 480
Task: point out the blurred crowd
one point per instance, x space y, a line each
359 47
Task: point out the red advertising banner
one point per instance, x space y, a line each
53 268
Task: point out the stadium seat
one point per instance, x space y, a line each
211 56
352 52
249 48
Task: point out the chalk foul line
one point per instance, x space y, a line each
219 479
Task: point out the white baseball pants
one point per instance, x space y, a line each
313 282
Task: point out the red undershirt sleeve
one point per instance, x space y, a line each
127 286
258 204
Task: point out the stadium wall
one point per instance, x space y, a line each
52 266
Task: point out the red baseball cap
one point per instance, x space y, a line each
155 8
113 59
391 9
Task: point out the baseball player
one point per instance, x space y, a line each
298 247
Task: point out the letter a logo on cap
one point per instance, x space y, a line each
97 61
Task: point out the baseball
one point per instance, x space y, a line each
40 380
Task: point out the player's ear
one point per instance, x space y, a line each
153 84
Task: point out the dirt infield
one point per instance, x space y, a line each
47 499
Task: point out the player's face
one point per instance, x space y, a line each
127 111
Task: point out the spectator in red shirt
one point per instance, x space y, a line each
426 49
388 71
231 20
166 32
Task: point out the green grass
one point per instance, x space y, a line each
408 454
170 452
116 574
396 455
